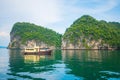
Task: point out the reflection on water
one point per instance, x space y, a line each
36 58
21 66
32 58
83 56
89 64
61 65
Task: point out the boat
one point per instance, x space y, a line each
37 50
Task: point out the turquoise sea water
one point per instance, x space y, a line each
60 65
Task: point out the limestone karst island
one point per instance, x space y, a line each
84 33
59 39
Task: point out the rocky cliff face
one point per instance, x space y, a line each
89 33
86 45
16 43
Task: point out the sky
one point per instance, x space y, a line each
54 14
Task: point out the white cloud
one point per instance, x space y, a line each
4 34
4 41
4 38
91 6
5 29
54 14
40 12
36 11
108 5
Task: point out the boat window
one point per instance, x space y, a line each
29 49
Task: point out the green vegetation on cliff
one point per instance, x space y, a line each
28 31
89 28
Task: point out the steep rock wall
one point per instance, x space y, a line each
66 44
15 43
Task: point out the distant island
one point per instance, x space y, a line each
85 33
3 47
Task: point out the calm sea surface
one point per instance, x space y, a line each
60 65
